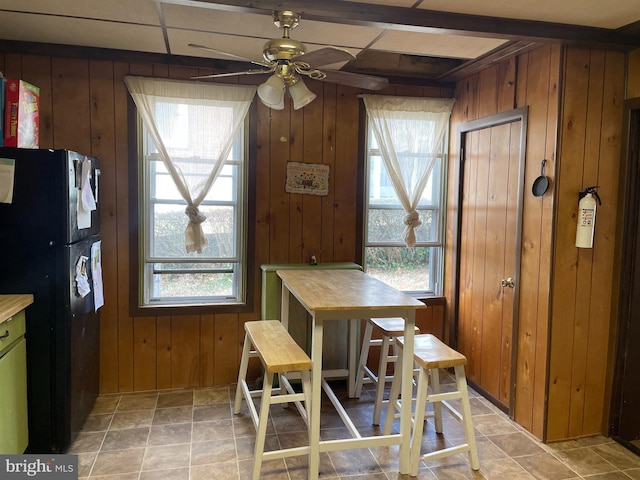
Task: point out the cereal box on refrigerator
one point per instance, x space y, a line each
21 114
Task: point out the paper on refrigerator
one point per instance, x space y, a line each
86 201
96 274
7 172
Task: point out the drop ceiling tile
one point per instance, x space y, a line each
390 3
335 34
130 11
219 21
29 27
246 47
431 44
262 26
594 13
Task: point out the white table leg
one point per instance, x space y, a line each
316 393
353 346
405 410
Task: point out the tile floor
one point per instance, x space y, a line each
193 435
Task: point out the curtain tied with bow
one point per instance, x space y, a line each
409 132
193 158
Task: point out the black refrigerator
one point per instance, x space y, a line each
49 230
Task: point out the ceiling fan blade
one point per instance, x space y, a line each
368 82
324 56
231 55
247 72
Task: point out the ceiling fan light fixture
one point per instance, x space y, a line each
300 94
271 92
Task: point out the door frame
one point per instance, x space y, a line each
628 227
515 115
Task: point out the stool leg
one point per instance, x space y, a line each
242 375
261 432
393 394
364 355
461 381
437 406
382 378
418 423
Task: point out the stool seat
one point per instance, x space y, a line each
279 354
392 327
277 350
429 352
430 355
388 329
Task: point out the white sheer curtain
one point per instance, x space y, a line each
193 126
409 132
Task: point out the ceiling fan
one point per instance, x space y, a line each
286 59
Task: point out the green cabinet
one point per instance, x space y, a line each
335 344
14 434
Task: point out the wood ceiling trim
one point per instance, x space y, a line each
411 19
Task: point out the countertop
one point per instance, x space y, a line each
12 304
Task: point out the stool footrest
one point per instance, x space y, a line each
462 448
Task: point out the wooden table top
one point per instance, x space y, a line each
335 290
12 304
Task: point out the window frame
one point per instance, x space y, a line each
137 226
437 247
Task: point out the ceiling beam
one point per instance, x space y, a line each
430 21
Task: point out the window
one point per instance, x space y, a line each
192 208
170 275
412 141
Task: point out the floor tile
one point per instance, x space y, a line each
193 434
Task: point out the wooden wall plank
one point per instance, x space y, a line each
71 104
601 325
544 282
226 348
506 85
488 101
207 342
533 91
585 256
164 355
144 354
312 148
185 351
296 154
37 71
345 175
279 202
569 181
328 158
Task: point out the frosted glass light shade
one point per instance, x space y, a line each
301 95
271 92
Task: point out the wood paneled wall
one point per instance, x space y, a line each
84 108
565 318
582 295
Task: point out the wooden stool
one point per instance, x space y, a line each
430 355
388 329
279 354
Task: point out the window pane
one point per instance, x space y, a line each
170 223
381 190
403 268
386 225
189 285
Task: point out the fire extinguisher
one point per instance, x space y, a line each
587 216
